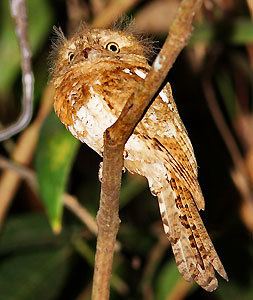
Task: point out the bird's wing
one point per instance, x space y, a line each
179 193
168 133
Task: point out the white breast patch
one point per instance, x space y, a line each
91 121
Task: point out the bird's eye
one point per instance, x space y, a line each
70 56
113 47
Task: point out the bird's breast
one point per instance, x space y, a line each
91 120
88 104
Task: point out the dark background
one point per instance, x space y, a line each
214 71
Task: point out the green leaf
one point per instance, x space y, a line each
55 153
242 32
232 290
34 262
40 21
28 230
167 280
37 275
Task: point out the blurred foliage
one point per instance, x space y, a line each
54 157
238 32
41 20
37 264
34 263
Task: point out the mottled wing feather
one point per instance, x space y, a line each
170 134
181 196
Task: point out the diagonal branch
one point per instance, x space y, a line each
19 14
117 135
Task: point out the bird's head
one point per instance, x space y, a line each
89 48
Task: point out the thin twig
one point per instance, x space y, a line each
81 212
23 153
117 135
154 259
69 201
180 290
240 174
250 5
226 134
22 171
97 6
112 12
19 14
221 124
77 12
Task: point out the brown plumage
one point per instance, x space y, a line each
94 73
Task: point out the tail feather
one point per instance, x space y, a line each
207 243
194 252
182 251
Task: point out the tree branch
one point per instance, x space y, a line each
117 135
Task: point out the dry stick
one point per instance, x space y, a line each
240 174
249 47
181 287
77 11
250 5
226 134
180 291
70 201
22 171
117 135
23 153
19 14
153 260
221 124
112 12
97 6
81 212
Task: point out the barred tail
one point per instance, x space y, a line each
194 252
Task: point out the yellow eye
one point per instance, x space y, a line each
113 47
70 56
